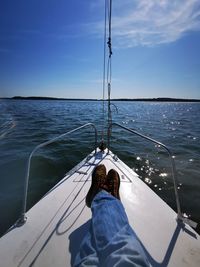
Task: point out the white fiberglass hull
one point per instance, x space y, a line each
57 223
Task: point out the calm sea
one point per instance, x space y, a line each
25 124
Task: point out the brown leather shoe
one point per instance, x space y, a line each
98 183
113 183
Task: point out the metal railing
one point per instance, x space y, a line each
23 218
180 216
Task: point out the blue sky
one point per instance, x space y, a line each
55 48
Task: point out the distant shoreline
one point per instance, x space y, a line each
159 99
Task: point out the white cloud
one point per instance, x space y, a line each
152 22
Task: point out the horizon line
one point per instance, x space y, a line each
161 99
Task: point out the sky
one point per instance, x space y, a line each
55 48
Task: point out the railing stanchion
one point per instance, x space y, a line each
178 206
23 218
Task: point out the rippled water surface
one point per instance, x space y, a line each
24 124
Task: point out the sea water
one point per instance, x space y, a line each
27 123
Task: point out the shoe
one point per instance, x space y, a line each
98 183
113 183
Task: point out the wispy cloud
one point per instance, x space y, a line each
152 22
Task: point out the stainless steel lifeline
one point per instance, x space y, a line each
23 218
174 176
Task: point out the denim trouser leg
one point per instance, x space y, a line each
87 255
111 241
116 243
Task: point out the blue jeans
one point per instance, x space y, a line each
110 240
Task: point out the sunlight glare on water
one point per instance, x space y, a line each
25 124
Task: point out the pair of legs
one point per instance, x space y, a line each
110 240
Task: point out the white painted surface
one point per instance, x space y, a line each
56 224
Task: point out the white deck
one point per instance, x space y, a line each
56 224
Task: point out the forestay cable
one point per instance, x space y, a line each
104 72
107 68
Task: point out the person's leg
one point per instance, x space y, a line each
87 255
110 241
116 243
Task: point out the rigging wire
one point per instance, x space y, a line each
104 69
109 65
107 68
